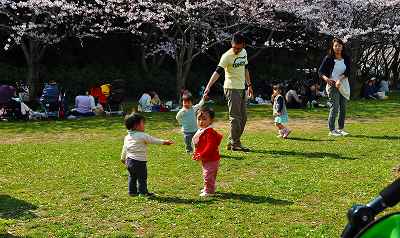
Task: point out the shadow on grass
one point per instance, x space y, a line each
304 139
376 137
252 198
158 121
11 208
179 200
225 156
305 154
222 196
7 235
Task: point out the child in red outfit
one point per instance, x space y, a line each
207 141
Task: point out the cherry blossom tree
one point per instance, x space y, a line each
361 23
351 18
145 21
34 25
197 26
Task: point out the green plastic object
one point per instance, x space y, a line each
385 227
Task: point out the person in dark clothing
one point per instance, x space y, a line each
10 107
313 95
6 93
50 93
370 89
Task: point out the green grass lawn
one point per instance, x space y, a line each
64 178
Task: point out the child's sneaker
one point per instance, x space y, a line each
205 194
286 133
280 134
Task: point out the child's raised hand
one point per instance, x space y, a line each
168 142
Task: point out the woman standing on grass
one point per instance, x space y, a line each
335 70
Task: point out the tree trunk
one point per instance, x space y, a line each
180 82
355 82
33 52
187 65
395 67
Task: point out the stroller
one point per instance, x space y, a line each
10 109
114 101
362 223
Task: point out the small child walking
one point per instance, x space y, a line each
187 119
207 141
134 154
280 112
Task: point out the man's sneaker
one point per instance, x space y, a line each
335 133
229 146
204 194
343 132
148 194
133 194
240 148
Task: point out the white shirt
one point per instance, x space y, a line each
338 69
135 145
145 102
292 94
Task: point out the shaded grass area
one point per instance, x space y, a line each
301 187
357 109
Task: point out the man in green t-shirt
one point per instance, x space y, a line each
234 64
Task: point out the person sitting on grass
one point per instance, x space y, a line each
207 141
84 105
293 99
50 92
370 89
187 118
145 103
280 112
314 95
384 86
155 102
134 154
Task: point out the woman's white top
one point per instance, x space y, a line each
338 69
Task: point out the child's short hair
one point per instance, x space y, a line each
207 110
187 97
132 120
278 87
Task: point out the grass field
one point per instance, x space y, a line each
64 178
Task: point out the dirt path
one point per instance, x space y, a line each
259 125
